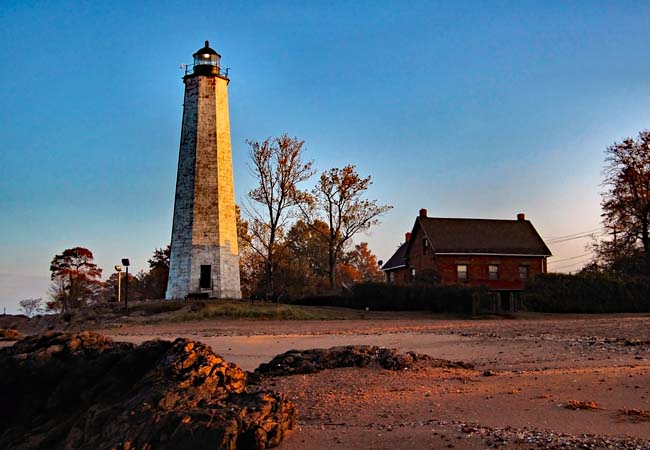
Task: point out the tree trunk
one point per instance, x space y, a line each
269 278
270 265
332 266
645 238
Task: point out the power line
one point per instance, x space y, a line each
568 265
553 238
560 241
568 259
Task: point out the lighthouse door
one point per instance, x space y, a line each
205 281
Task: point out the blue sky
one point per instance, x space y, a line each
468 109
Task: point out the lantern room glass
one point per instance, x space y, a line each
206 59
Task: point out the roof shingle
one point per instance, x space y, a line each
491 236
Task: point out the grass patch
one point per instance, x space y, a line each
152 308
241 310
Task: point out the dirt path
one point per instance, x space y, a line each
536 367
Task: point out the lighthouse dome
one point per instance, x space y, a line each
206 52
206 56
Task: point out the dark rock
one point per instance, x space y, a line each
314 360
84 391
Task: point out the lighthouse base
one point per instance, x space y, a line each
205 271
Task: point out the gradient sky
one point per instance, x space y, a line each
468 109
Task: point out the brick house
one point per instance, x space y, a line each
498 254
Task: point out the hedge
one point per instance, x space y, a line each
587 293
382 297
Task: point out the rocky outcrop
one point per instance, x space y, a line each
84 391
314 360
10 334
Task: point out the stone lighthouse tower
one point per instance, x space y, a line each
204 259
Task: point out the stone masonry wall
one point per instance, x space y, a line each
204 229
179 261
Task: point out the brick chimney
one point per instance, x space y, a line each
521 216
407 236
423 212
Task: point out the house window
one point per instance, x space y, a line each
412 274
206 277
391 277
425 245
461 271
493 272
523 272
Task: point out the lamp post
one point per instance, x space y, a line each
118 269
125 263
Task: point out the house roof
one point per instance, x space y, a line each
486 236
397 260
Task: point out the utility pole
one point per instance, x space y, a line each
118 269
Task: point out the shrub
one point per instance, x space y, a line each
241 310
587 293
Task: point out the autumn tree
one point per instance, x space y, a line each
251 264
338 200
362 265
154 283
278 168
306 245
626 203
303 269
74 279
140 287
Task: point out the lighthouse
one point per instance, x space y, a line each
204 260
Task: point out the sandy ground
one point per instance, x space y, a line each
536 366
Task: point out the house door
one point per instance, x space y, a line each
506 302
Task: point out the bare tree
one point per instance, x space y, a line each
338 200
31 306
626 201
278 167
